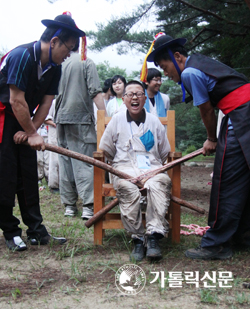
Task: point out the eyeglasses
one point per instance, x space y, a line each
69 49
157 80
130 95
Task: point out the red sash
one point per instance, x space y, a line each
2 118
234 99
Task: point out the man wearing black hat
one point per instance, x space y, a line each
29 77
212 84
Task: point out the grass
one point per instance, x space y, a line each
77 272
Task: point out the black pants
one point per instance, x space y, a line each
229 214
18 176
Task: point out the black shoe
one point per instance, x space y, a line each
138 252
46 240
241 242
210 253
16 244
153 248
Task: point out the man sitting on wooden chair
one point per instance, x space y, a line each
135 142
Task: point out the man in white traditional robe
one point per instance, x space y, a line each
135 142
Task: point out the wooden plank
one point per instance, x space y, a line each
175 155
171 129
115 224
99 175
176 208
100 126
164 120
108 189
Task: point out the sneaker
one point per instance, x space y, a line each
87 213
16 244
210 253
153 248
45 240
70 211
138 252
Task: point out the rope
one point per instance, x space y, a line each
195 229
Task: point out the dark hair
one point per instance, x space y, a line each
115 79
152 72
107 85
164 55
77 45
64 35
134 82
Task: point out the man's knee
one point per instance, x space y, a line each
159 181
126 186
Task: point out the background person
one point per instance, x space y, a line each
53 182
106 91
118 84
74 117
43 156
157 103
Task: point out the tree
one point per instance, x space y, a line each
217 28
106 71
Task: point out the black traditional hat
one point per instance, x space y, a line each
164 41
64 21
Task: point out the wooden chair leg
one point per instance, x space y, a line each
99 200
176 209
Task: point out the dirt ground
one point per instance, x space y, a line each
79 275
196 184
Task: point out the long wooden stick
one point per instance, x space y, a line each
139 181
144 177
87 159
96 217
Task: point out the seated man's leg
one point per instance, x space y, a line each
129 202
158 199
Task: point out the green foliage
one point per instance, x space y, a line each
209 296
217 28
106 71
189 128
190 149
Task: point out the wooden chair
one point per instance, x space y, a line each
101 189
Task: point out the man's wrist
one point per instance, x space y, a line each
214 140
32 134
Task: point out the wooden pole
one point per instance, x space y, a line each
143 178
98 216
139 181
87 159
